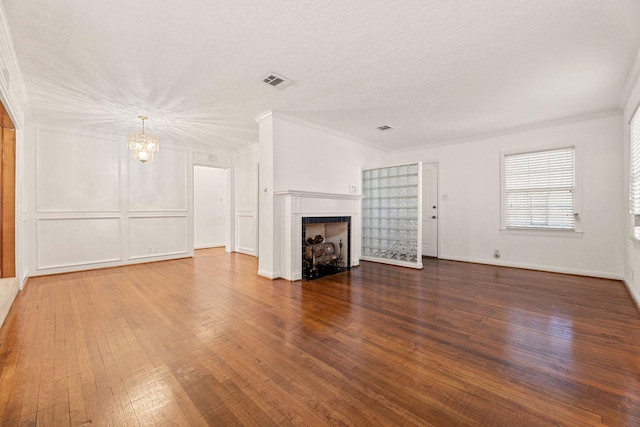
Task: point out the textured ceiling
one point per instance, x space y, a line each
436 71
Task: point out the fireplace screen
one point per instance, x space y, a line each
391 215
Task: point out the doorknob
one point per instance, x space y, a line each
434 206
433 217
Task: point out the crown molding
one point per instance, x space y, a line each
632 81
517 129
13 91
263 116
253 148
330 131
301 122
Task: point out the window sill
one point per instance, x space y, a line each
541 232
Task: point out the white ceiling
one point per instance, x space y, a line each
436 71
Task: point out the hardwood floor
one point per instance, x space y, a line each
205 341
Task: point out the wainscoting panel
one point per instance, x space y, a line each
158 235
67 242
67 181
245 237
160 185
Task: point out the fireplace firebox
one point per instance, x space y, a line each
326 243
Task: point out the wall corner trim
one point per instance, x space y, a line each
632 293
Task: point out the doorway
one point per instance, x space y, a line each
430 209
7 195
210 219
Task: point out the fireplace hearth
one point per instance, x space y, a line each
326 245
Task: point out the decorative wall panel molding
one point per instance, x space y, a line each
245 233
75 173
160 185
153 236
68 242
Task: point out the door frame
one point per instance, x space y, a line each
439 200
229 244
227 186
7 195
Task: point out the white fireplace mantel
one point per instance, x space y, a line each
294 205
316 194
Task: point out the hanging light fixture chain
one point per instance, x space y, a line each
143 118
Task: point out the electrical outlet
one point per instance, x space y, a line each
496 254
353 189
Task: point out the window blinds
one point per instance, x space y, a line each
540 189
634 182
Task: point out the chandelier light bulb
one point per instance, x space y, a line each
143 146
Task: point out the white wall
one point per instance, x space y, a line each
311 158
95 207
302 157
470 218
209 207
245 211
632 247
90 205
13 94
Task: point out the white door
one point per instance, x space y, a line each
430 209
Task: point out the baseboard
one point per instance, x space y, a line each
632 292
550 268
209 245
9 288
268 274
245 251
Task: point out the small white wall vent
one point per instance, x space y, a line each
385 127
276 81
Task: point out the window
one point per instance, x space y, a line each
539 190
634 182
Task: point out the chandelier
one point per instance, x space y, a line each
143 146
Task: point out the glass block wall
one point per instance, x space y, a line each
391 214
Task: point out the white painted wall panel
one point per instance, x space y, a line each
245 226
246 180
160 185
245 201
66 242
76 173
86 199
154 236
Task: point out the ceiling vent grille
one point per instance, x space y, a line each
276 81
383 128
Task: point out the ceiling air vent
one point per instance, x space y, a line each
276 81
385 127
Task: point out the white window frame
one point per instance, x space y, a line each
579 220
634 174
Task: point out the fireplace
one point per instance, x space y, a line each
326 246
291 209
